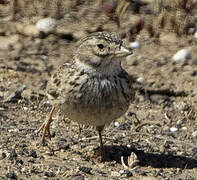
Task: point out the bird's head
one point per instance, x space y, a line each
101 52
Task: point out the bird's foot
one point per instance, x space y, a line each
45 128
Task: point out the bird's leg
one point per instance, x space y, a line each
99 129
45 128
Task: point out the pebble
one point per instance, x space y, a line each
116 124
182 56
195 34
140 80
184 128
173 129
44 57
194 134
25 108
179 123
191 30
128 146
134 45
46 25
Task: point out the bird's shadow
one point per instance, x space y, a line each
114 153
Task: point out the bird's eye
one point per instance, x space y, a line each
100 46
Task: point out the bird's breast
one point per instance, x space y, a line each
97 101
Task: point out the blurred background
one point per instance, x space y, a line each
36 37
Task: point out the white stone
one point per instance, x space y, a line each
44 57
195 34
194 134
25 108
184 128
191 30
179 122
182 55
134 45
128 145
173 129
46 25
121 172
140 80
116 124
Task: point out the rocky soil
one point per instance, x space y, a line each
155 139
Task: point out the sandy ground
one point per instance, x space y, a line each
164 141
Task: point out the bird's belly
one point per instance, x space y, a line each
95 116
97 103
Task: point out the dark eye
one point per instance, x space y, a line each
100 46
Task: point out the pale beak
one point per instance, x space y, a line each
123 52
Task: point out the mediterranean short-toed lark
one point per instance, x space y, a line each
94 89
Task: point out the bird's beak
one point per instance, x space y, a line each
123 52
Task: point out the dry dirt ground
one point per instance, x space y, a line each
165 100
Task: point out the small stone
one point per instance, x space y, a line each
179 122
121 172
194 134
173 129
116 124
134 45
182 56
44 57
184 128
140 80
191 30
195 34
25 108
46 25
128 146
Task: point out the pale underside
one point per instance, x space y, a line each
89 99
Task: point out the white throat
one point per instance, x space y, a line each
113 69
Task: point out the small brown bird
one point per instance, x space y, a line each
94 89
